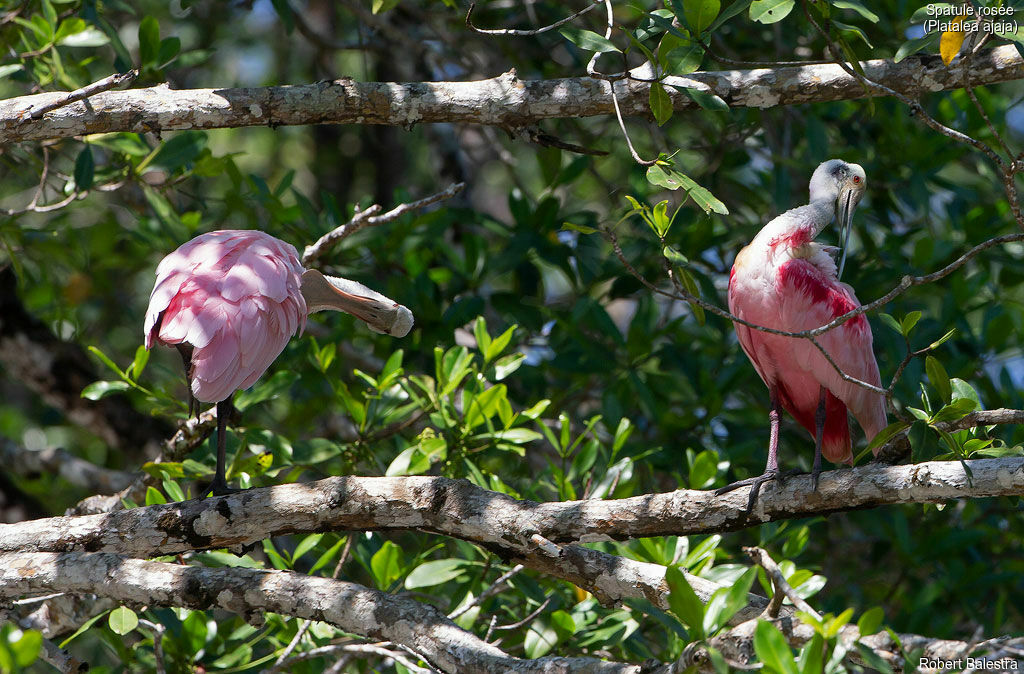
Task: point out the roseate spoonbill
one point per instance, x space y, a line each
230 300
786 281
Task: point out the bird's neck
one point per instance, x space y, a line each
791 235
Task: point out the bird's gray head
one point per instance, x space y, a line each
842 184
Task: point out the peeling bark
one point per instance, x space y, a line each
504 101
460 509
251 592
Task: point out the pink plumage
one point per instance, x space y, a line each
234 296
786 281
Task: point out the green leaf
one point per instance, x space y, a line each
306 544
917 44
684 602
149 41
279 384
938 377
485 405
770 11
812 656
700 13
85 169
941 340
582 229
891 322
540 638
101 389
735 599
123 620
857 7
673 180
661 104
506 365
732 10
587 40
9 69
433 573
154 497
498 344
84 628
386 565
327 557
381 6
888 433
483 339
87 37
852 30
169 49
772 649
871 621
139 363
874 661
909 321
705 99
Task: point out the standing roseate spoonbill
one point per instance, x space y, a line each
786 281
230 300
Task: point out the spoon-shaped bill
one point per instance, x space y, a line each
380 313
846 208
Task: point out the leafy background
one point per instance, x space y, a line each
538 366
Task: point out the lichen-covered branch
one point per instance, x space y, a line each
460 509
252 592
505 101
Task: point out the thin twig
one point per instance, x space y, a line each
158 647
762 559
535 31
525 620
106 84
369 218
304 627
495 587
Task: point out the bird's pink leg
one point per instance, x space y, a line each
773 437
819 433
771 469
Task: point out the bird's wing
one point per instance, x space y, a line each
808 299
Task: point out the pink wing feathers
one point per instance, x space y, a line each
809 298
234 295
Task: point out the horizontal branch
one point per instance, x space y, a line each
77 471
460 509
505 101
252 592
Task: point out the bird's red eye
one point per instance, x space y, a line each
856 180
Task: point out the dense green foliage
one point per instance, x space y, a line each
538 366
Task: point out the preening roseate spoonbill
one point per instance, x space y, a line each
786 281
230 301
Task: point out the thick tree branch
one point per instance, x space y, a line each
504 101
460 509
251 592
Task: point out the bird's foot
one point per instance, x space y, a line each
219 487
755 485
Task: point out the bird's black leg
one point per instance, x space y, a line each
219 486
819 433
186 359
771 470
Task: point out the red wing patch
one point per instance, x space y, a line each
821 290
